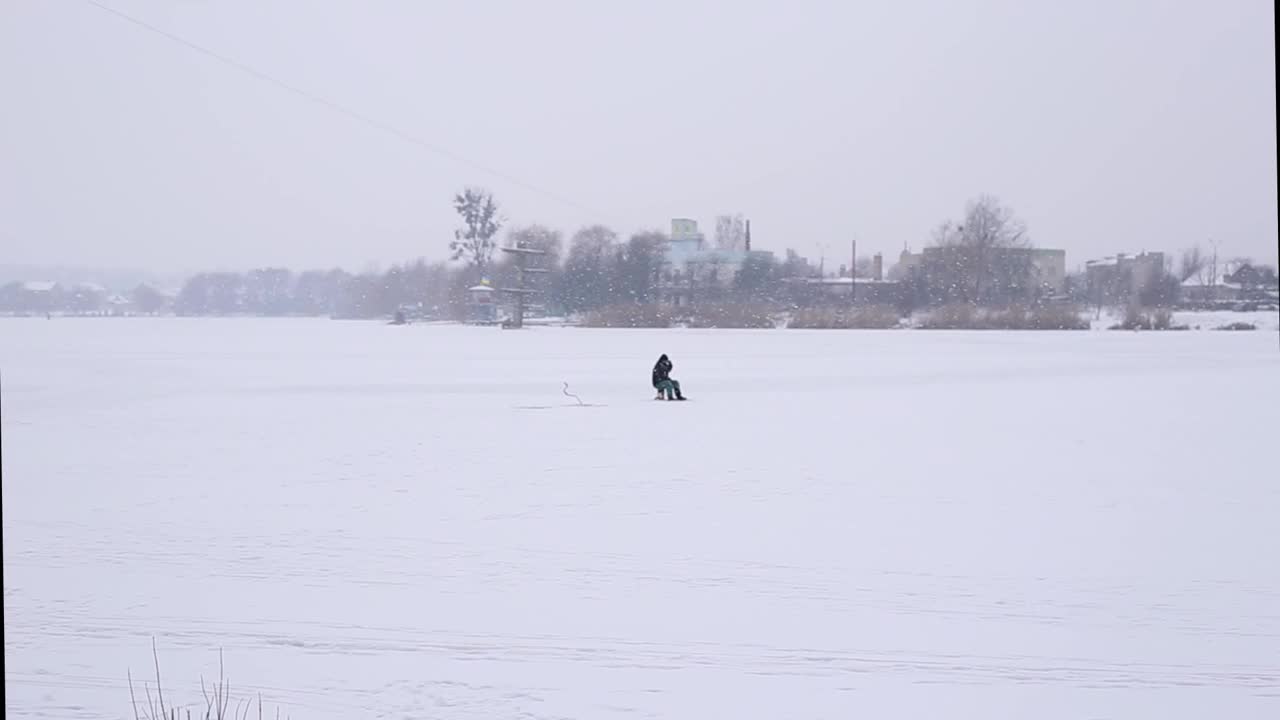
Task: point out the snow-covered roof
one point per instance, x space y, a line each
1144 257
847 281
475 288
1207 279
39 286
1198 283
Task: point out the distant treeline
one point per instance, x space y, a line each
986 260
598 271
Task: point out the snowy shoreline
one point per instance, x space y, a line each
1193 320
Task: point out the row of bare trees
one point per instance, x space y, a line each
599 268
986 259
19 298
983 259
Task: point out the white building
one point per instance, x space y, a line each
691 268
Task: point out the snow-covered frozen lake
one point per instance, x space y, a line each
414 522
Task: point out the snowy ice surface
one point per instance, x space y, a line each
414 522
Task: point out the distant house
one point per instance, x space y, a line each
1212 287
1230 284
1257 283
1116 279
908 262
1040 272
872 290
690 269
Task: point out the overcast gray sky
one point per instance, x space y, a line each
1107 126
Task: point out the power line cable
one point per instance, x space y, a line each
339 108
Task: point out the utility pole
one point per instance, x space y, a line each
1213 272
853 271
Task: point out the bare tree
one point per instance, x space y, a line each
977 261
987 224
756 277
481 222
147 299
1209 272
637 266
586 283
731 232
